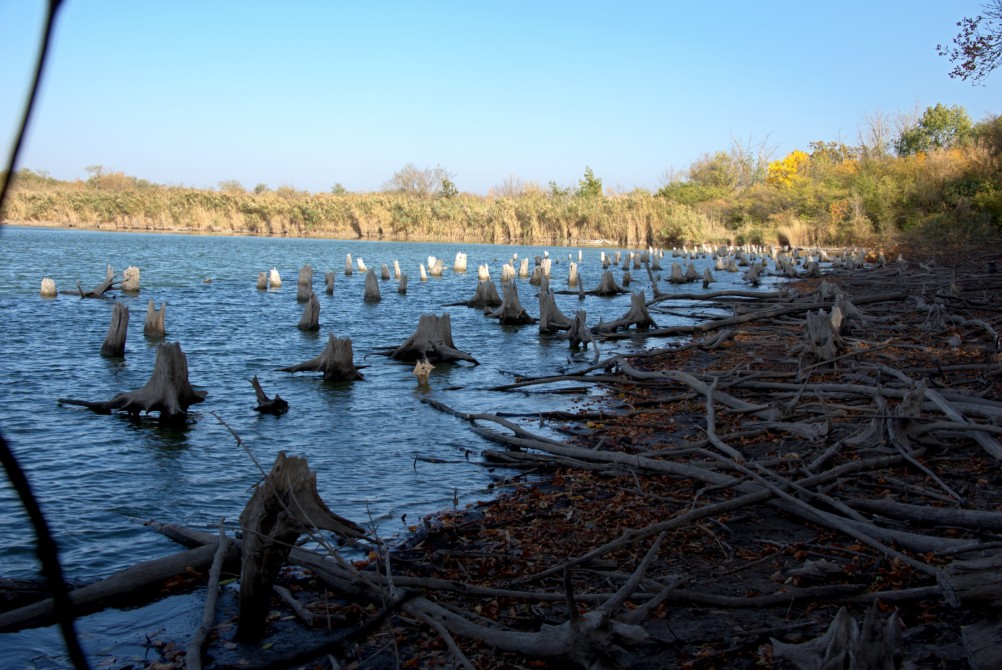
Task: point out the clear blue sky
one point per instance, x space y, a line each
309 94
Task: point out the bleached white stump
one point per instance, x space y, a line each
274 279
130 280
348 268
48 288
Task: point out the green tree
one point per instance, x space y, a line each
448 189
589 186
261 188
940 127
339 189
977 48
558 191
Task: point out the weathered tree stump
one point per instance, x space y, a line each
551 319
284 506
627 278
167 391
154 325
507 273
114 341
460 264
486 295
691 274
432 341
483 272
821 343
266 405
130 280
274 279
396 269
371 287
707 278
537 276
676 274
262 281
437 268
384 272
523 268
572 275
48 288
608 286
304 287
335 362
347 265
424 275
511 311
402 286
752 275
310 320
361 265
637 316
329 283
578 333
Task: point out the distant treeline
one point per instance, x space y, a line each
941 176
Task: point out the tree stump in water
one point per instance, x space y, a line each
437 268
167 391
304 287
424 275
707 278
274 279
486 295
329 283
361 265
310 320
551 319
396 269
347 265
523 268
130 280
483 272
384 272
335 361
432 341
460 264
284 506
511 311
371 287
262 281
608 286
507 273
572 275
266 405
48 288
637 316
114 341
627 278
402 286
578 333
154 325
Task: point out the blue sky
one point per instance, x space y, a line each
309 94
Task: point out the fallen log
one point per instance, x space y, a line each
284 506
335 361
129 584
431 341
114 341
167 391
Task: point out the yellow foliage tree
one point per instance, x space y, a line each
788 170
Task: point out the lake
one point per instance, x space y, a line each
100 477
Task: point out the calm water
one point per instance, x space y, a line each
99 477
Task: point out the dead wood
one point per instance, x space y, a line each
266 405
139 581
336 361
109 284
551 319
636 316
154 326
431 341
329 283
284 506
983 643
193 654
262 281
402 286
304 286
130 280
486 295
167 392
607 286
310 320
511 311
114 341
371 287
578 333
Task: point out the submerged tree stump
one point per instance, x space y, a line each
98 291
154 325
432 341
347 265
460 264
48 288
578 333
607 285
284 506
329 283
266 405
167 391
486 295
637 316
114 341
304 287
310 320
402 286
262 281
274 279
371 287
523 268
361 265
384 272
511 311
335 362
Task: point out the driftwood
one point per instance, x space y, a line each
167 392
193 654
511 311
284 506
335 361
310 320
154 326
114 341
637 316
98 291
304 286
431 341
371 287
266 405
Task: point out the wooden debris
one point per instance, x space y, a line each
636 316
98 291
304 286
431 341
130 280
114 341
335 361
511 311
154 326
371 287
310 320
48 288
266 405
